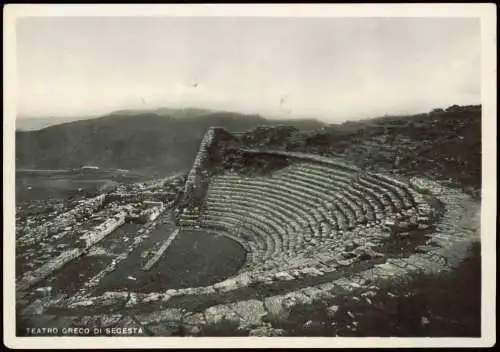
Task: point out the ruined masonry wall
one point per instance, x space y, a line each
152 213
194 175
89 239
138 197
69 218
102 230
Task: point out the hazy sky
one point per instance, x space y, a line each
330 68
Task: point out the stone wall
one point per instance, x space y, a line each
140 196
32 277
102 230
151 214
196 181
85 241
69 218
193 179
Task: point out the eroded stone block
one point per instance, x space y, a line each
173 314
35 308
389 270
220 313
109 320
194 319
275 305
250 311
265 331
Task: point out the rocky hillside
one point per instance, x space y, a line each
445 144
441 143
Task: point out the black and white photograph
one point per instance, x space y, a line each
221 171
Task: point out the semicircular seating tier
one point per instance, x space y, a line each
297 208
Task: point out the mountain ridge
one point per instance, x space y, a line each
159 144
144 141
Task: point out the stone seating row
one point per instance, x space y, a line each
295 211
244 208
387 196
356 213
301 209
397 186
369 191
398 191
291 182
302 195
249 208
249 229
317 192
278 231
279 209
299 206
253 250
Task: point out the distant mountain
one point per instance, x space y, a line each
25 123
37 123
156 142
172 112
